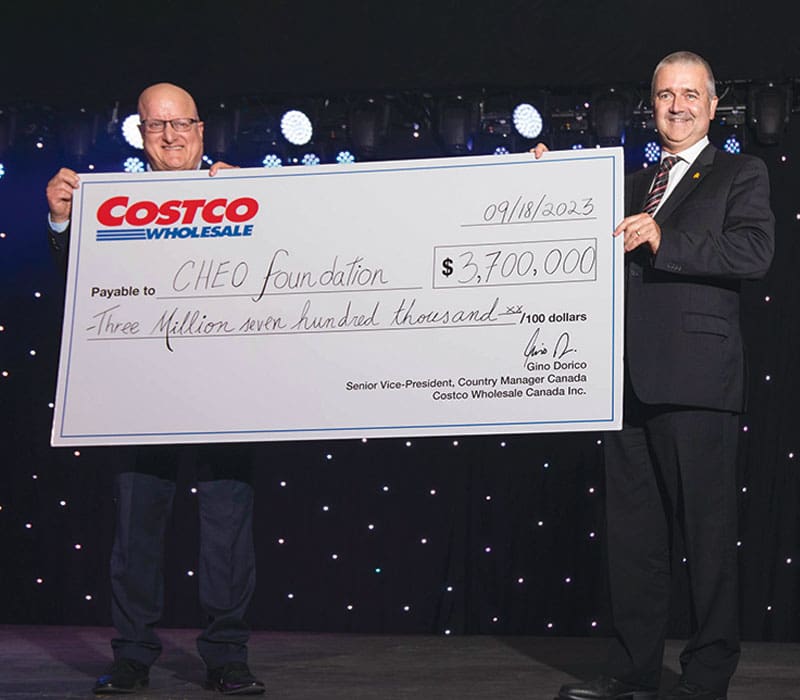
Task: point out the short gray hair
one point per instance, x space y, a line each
686 57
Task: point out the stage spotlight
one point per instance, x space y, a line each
133 165
769 109
457 125
577 146
79 134
343 157
501 151
130 131
296 127
220 131
272 161
369 124
732 145
310 159
609 116
2 171
527 120
652 152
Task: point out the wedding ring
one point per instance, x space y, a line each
637 233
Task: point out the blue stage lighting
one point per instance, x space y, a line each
272 161
130 131
652 152
2 171
310 159
527 120
577 146
501 151
296 127
345 157
133 165
732 145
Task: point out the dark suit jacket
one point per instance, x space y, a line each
683 337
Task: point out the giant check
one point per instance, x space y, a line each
431 297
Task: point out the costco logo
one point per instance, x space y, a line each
175 219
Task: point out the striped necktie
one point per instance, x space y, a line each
659 184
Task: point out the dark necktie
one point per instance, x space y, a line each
659 184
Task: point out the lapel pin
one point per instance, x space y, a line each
696 176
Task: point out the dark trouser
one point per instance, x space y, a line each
226 572
669 461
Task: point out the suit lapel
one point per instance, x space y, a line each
693 177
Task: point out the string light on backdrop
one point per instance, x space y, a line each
310 159
732 144
2 171
343 157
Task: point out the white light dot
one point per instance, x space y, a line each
28 526
768 377
546 465
767 299
378 569
455 443
328 456
744 489
540 523
283 484
39 145
363 439
520 580
503 444
449 589
683 560
325 508
370 526
193 489
739 543
385 489
424 540
594 623
281 540
599 442
568 580
550 625
4 372
769 608
591 489
190 573
349 607
34 476
38 295
408 443
791 455
334 556
433 492
788 560
78 546
290 596
406 608
39 580
32 353
488 498
495 619
488 550
447 631
2 328
591 535
62 503
77 453
51 405
88 597
745 429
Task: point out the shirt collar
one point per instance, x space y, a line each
688 156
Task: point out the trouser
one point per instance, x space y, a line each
226 567
667 465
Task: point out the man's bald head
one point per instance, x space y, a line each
170 149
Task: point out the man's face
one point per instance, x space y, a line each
170 149
682 106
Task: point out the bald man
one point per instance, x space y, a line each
173 140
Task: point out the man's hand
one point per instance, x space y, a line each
638 230
219 165
538 150
59 194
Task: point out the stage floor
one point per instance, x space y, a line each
62 662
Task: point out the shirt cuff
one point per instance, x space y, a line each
57 226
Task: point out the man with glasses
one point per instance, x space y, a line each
173 140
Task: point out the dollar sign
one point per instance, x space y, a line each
447 267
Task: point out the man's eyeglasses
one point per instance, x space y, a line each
156 126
